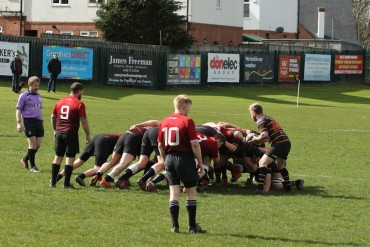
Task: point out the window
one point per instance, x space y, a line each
60 2
66 32
246 9
95 2
89 33
218 4
49 32
1 29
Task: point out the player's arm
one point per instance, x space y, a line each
161 151
54 122
18 117
195 146
262 137
149 123
85 126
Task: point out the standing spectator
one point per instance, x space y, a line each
29 108
271 131
65 118
54 68
179 147
16 68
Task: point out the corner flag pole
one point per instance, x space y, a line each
299 85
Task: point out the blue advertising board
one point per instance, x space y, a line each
77 62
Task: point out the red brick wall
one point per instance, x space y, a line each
221 35
272 34
10 26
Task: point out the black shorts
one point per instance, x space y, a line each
66 144
206 130
181 169
33 127
149 142
100 147
279 150
128 143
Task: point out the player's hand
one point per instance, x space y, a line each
87 139
201 170
253 142
19 127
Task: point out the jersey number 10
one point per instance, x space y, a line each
171 136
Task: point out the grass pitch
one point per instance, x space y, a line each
330 137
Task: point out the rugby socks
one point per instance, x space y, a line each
25 159
99 174
287 185
133 169
67 175
174 211
31 155
54 173
191 206
109 178
149 165
262 176
59 177
149 174
160 177
218 174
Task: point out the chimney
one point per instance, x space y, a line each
321 23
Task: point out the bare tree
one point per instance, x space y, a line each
361 11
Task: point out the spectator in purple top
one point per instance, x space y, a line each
29 108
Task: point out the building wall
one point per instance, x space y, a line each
268 15
339 18
216 34
205 11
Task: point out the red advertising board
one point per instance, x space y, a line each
348 64
289 67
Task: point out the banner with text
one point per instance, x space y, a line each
77 62
289 66
125 69
317 67
259 67
348 64
183 69
223 67
7 53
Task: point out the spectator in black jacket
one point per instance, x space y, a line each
16 68
54 68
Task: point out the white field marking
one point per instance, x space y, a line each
344 130
329 177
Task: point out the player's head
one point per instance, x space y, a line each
33 84
220 138
254 110
55 55
77 89
182 104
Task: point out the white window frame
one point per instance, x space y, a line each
60 3
49 32
247 3
1 29
88 34
95 2
66 32
218 4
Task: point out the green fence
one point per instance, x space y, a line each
103 49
